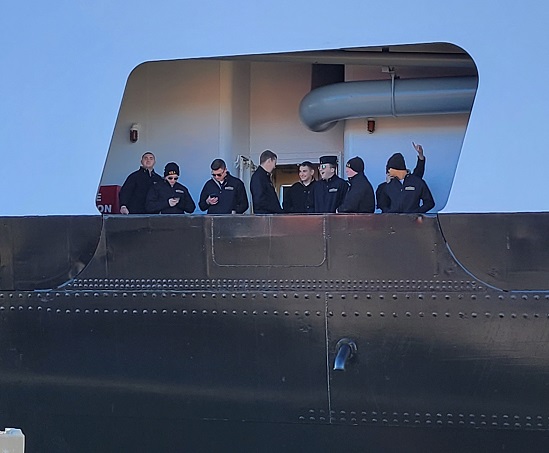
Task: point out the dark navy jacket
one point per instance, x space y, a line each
264 196
381 197
161 192
329 195
298 199
133 193
409 196
360 197
231 196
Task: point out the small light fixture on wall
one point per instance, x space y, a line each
134 132
371 125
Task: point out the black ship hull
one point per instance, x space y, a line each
221 333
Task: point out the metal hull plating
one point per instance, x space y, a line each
219 333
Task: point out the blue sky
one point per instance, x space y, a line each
65 65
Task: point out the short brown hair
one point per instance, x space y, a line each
266 155
307 164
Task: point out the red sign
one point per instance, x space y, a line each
107 200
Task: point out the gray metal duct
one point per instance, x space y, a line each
321 108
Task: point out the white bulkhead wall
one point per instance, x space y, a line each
277 90
177 104
194 111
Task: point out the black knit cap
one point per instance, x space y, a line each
396 162
171 169
356 164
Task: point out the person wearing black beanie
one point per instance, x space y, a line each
405 192
360 197
356 164
169 196
396 162
171 169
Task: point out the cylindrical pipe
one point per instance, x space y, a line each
322 108
345 349
343 354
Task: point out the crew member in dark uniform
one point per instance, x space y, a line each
264 197
169 196
298 199
418 171
133 193
224 193
404 192
330 191
360 197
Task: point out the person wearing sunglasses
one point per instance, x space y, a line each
133 193
223 193
169 196
329 193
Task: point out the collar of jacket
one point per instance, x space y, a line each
353 177
152 172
